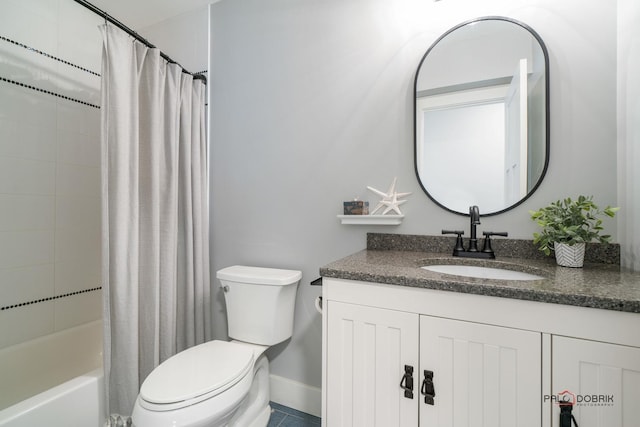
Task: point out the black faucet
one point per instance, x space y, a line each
472 250
474 217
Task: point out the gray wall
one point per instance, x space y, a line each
629 131
311 101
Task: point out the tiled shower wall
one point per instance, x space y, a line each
50 52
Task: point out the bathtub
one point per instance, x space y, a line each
54 381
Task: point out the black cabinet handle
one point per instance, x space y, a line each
428 390
407 379
566 417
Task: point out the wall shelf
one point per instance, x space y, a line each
371 219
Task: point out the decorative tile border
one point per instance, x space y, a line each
48 92
22 304
47 55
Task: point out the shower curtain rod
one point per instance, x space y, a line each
133 34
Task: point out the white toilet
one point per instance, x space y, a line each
222 383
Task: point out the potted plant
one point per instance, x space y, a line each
567 225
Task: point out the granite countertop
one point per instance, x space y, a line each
602 285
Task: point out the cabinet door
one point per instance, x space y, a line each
602 379
367 350
483 375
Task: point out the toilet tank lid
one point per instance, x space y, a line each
259 275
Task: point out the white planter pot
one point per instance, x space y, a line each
569 256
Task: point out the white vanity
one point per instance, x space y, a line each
478 352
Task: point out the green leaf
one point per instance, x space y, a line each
570 221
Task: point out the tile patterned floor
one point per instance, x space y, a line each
282 416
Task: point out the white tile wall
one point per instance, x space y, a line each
25 248
73 275
26 212
77 260
77 212
77 309
77 180
78 148
28 322
49 169
26 176
31 22
80 24
29 283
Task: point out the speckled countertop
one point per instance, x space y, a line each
601 285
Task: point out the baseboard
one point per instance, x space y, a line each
296 395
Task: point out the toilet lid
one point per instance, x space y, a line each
197 371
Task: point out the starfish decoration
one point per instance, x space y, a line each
389 199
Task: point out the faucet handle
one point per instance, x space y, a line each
459 246
495 233
458 232
487 239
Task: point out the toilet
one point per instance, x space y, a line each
225 383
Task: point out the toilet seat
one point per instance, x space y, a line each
196 374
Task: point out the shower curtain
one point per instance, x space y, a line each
154 215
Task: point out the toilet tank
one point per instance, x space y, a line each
260 303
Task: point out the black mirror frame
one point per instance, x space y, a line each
547 112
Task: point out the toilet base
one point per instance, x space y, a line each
263 418
251 409
255 411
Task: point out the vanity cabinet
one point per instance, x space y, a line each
394 368
483 375
370 348
602 378
492 361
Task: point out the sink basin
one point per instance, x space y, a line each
482 272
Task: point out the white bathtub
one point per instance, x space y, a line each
54 381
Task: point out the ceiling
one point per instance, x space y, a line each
138 14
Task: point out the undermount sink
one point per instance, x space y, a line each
482 272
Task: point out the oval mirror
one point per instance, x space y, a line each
482 116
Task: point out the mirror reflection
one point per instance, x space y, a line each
481 116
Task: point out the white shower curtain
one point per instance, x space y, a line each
154 214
